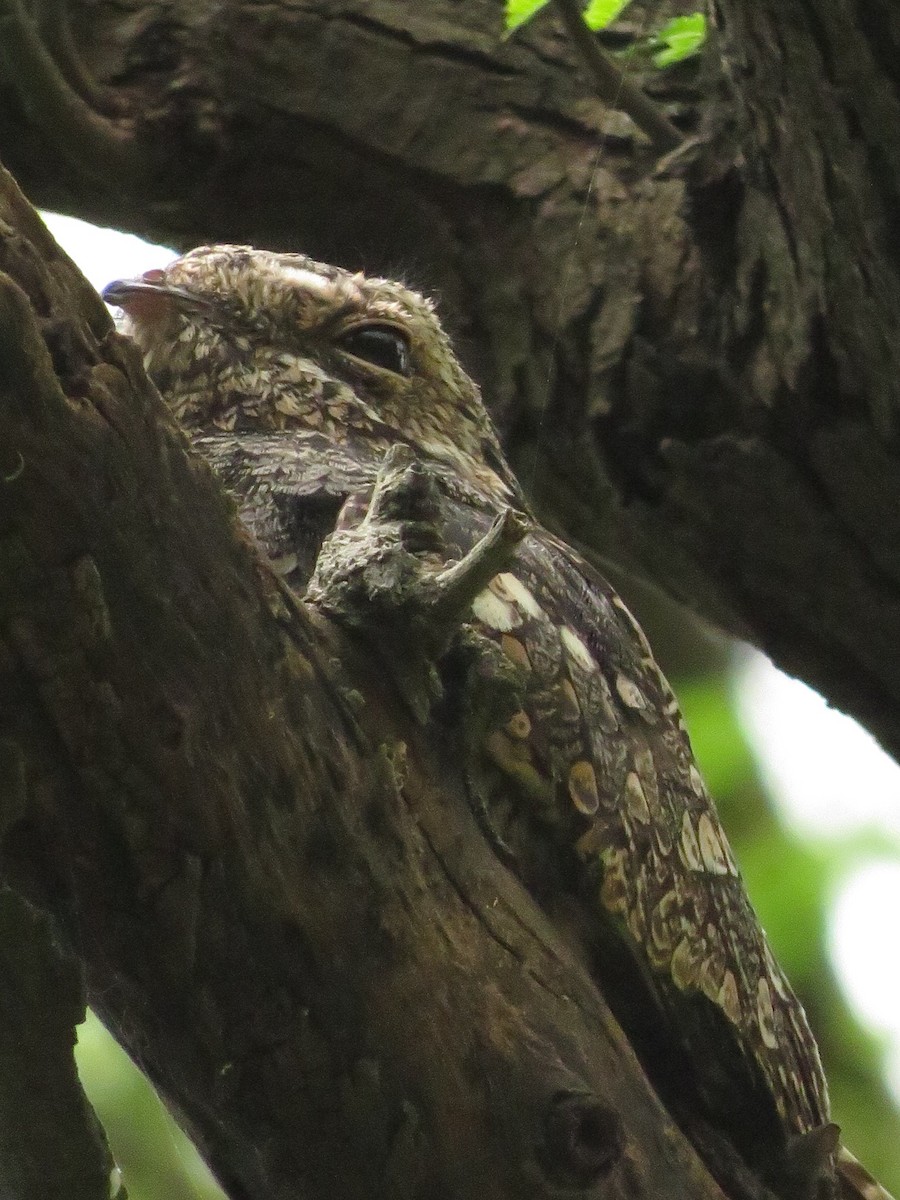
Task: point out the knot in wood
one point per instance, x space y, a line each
583 1138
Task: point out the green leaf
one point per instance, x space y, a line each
679 39
600 13
520 11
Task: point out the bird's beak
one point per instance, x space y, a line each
150 297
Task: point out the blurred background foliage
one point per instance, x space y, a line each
792 881
156 1159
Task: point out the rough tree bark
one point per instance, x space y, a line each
282 903
695 363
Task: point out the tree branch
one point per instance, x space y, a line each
696 375
50 1142
613 86
286 911
103 148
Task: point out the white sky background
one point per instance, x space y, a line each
103 255
831 781
828 778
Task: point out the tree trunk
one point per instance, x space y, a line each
284 907
286 911
694 363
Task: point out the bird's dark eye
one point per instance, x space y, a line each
383 346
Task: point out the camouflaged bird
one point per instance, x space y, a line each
294 379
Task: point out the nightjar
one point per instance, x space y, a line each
294 379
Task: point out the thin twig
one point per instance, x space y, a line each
613 87
458 585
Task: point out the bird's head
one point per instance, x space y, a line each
243 339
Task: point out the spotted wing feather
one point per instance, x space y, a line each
600 740
289 490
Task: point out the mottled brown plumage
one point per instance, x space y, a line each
293 380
